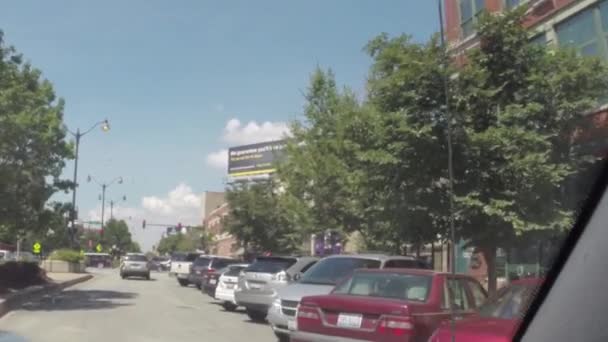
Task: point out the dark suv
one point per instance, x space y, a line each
203 265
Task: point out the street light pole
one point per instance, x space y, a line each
104 187
103 204
112 202
105 126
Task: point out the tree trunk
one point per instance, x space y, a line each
489 253
418 250
433 254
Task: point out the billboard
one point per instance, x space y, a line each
254 160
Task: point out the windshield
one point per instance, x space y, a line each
270 265
509 303
136 258
387 285
331 270
462 136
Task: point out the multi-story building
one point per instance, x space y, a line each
578 24
215 211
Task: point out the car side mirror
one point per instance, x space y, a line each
297 276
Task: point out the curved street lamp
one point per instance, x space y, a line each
105 126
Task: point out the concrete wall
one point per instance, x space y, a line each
58 266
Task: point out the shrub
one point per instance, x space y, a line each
68 255
17 275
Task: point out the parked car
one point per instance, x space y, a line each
203 265
387 305
497 319
226 284
181 263
260 282
321 278
135 265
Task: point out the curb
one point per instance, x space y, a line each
15 300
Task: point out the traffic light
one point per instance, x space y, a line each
143 224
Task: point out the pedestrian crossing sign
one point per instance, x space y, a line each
98 248
36 247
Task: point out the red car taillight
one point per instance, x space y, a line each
397 326
308 312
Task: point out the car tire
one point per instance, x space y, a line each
256 315
123 276
183 282
198 286
282 337
229 306
148 276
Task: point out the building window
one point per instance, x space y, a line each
586 31
469 11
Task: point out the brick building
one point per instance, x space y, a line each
223 244
578 24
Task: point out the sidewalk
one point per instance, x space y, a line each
59 282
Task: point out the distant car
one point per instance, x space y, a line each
135 265
205 265
321 278
386 305
159 263
6 256
497 320
181 263
260 282
227 284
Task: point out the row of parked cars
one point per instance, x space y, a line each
364 297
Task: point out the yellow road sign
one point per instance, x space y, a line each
36 247
98 248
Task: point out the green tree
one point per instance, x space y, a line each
518 109
32 144
318 175
259 219
116 233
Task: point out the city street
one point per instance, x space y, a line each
108 308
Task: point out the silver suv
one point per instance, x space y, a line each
321 279
135 265
259 283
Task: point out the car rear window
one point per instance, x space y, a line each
136 258
271 265
201 262
412 287
234 271
331 270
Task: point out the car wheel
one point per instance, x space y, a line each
281 337
256 315
148 276
123 276
183 282
229 306
198 286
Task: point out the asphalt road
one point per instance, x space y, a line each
110 309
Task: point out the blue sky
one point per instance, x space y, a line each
171 75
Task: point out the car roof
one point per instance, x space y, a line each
375 256
417 271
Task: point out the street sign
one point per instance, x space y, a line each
98 248
36 247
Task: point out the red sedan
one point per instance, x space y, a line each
387 305
497 318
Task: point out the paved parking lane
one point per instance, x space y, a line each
108 308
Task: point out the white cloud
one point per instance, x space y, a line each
236 133
218 159
179 205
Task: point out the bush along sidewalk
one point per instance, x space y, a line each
19 275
